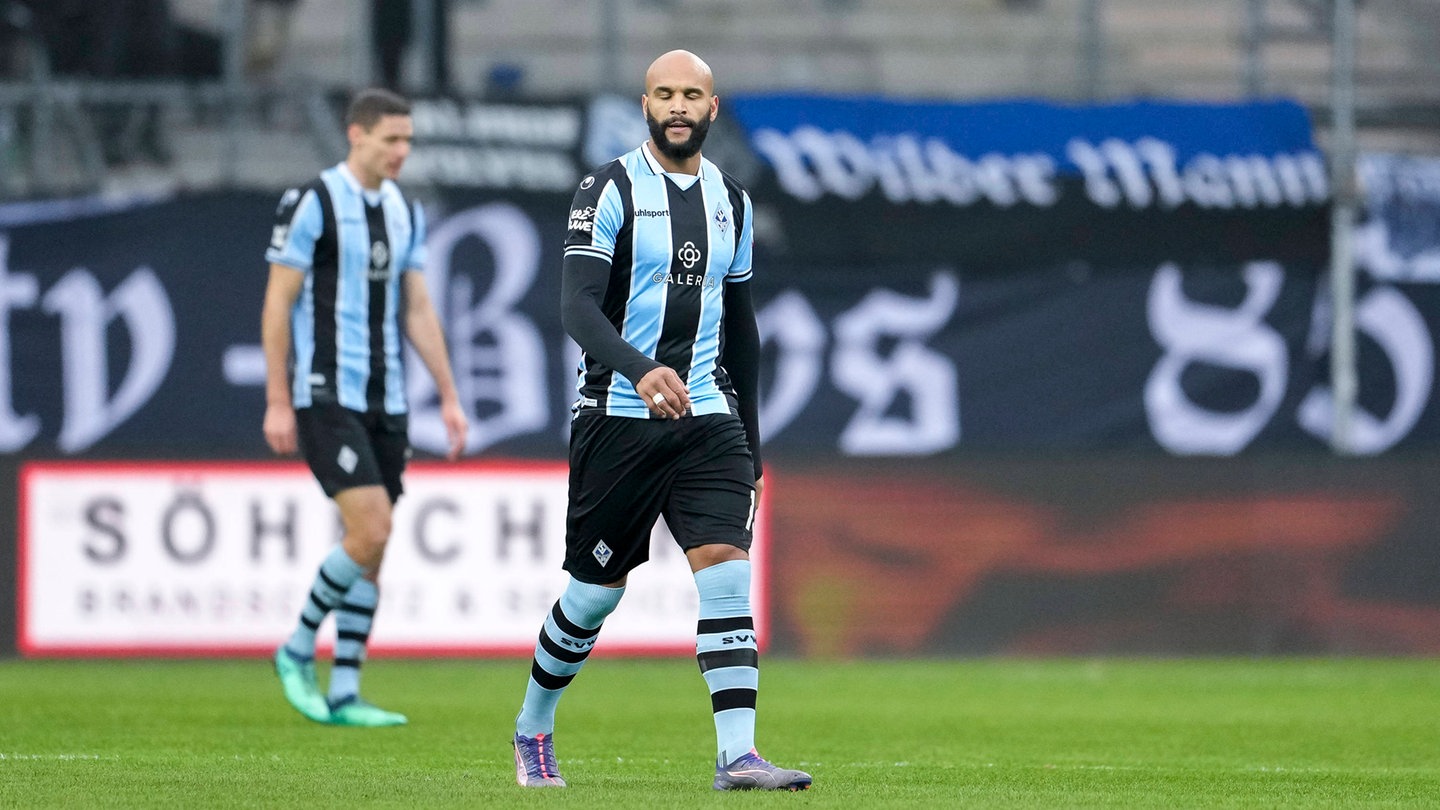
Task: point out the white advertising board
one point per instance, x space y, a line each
212 558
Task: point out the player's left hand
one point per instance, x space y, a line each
457 427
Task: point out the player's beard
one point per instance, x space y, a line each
686 149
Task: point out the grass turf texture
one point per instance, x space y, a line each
637 733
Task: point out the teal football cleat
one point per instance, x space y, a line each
297 678
752 772
353 711
535 764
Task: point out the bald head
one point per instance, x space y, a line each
679 104
679 69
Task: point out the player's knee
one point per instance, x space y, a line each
375 532
365 539
702 557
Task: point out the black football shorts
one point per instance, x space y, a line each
624 472
346 448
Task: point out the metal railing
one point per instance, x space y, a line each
54 129
65 135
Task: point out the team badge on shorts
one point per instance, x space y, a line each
347 459
602 553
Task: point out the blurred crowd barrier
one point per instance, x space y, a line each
234 93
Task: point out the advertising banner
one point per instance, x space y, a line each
1012 186
519 145
146 558
1116 555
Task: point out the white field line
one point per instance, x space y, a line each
52 757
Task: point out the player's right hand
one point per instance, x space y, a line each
664 393
280 429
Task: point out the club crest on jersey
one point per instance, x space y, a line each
688 255
379 261
721 220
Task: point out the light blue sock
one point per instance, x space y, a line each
353 620
728 652
337 573
566 639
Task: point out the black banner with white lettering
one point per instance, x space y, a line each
121 325
125 334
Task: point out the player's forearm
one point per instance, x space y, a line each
275 341
281 292
581 289
742 362
588 327
423 328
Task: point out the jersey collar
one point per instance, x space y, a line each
656 168
354 183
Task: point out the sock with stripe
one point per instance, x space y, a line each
337 573
728 652
353 619
566 639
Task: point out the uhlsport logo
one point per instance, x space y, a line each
287 200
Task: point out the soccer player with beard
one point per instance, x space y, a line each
656 291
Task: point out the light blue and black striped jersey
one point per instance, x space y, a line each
673 242
353 245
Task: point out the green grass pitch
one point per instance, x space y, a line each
636 733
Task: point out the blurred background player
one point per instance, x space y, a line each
345 259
